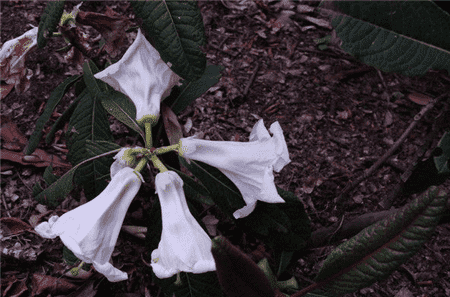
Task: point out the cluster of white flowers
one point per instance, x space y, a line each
91 230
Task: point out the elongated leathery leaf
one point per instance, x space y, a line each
408 37
54 99
191 90
49 20
375 252
222 190
89 122
177 30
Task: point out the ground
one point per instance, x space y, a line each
338 116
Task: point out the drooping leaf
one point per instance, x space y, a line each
52 102
238 274
176 28
378 250
49 20
89 122
191 90
224 193
407 37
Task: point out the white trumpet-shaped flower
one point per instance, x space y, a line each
249 165
143 76
90 231
184 245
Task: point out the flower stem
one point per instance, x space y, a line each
141 165
148 135
166 149
158 164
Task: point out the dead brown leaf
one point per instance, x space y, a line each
110 25
53 285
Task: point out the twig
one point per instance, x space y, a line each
252 78
396 145
382 79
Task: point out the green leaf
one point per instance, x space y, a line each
89 122
53 101
191 90
290 285
265 267
59 124
442 161
407 37
49 177
49 20
55 193
69 257
378 250
118 105
224 193
282 226
177 30
285 259
95 148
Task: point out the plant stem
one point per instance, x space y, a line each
141 165
148 135
166 149
158 164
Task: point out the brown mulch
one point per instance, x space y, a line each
338 116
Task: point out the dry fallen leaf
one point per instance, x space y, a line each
52 285
111 26
420 99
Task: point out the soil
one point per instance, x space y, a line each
338 115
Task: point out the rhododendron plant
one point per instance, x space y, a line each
90 231
249 165
143 76
184 245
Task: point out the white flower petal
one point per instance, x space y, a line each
249 165
90 231
184 245
142 75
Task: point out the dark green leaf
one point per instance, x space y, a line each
378 250
59 124
89 122
49 177
191 90
55 193
118 105
52 102
49 20
408 37
176 28
223 191
283 226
